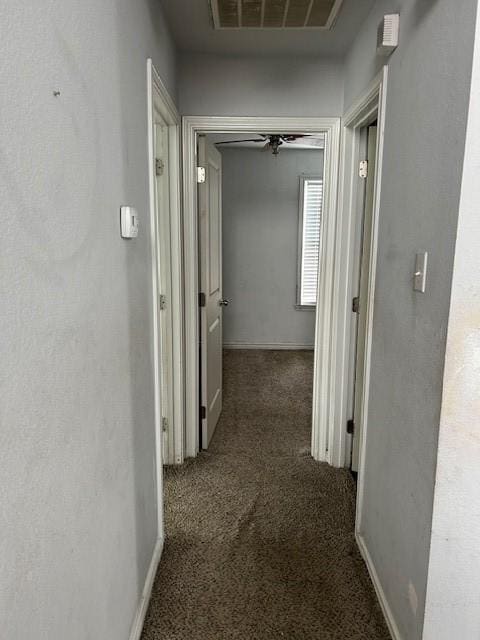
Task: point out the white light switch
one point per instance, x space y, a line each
420 275
128 222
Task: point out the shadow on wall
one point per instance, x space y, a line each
421 8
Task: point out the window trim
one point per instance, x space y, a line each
302 179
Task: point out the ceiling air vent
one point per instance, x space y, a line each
274 14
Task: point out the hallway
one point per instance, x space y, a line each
259 536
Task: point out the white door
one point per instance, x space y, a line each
210 268
164 275
362 295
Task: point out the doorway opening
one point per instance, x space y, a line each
193 129
260 209
367 171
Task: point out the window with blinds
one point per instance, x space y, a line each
311 204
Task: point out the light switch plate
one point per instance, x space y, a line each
128 222
420 275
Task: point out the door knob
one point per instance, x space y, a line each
223 303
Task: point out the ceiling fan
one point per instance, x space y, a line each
271 141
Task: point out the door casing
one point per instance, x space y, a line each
371 105
330 127
161 109
160 103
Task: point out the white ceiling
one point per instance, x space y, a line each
191 26
317 142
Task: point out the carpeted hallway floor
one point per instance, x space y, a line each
260 542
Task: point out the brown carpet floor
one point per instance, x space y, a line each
260 542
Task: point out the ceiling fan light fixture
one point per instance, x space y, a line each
275 141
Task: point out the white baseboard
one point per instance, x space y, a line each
141 612
267 345
387 612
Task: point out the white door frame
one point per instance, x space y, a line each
348 224
192 126
372 104
161 106
160 102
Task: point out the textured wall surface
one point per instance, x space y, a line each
77 486
428 89
260 246
453 593
241 86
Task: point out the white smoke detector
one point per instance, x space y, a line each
388 32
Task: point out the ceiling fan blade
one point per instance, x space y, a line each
317 143
290 137
237 141
266 147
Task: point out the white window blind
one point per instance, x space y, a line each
310 217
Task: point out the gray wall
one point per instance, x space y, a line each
240 86
424 144
260 246
77 488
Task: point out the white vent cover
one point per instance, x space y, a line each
388 33
274 14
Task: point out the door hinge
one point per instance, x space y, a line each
363 169
350 427
164 424
202 300
203 413
162 301
201 175
356 304
159 167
